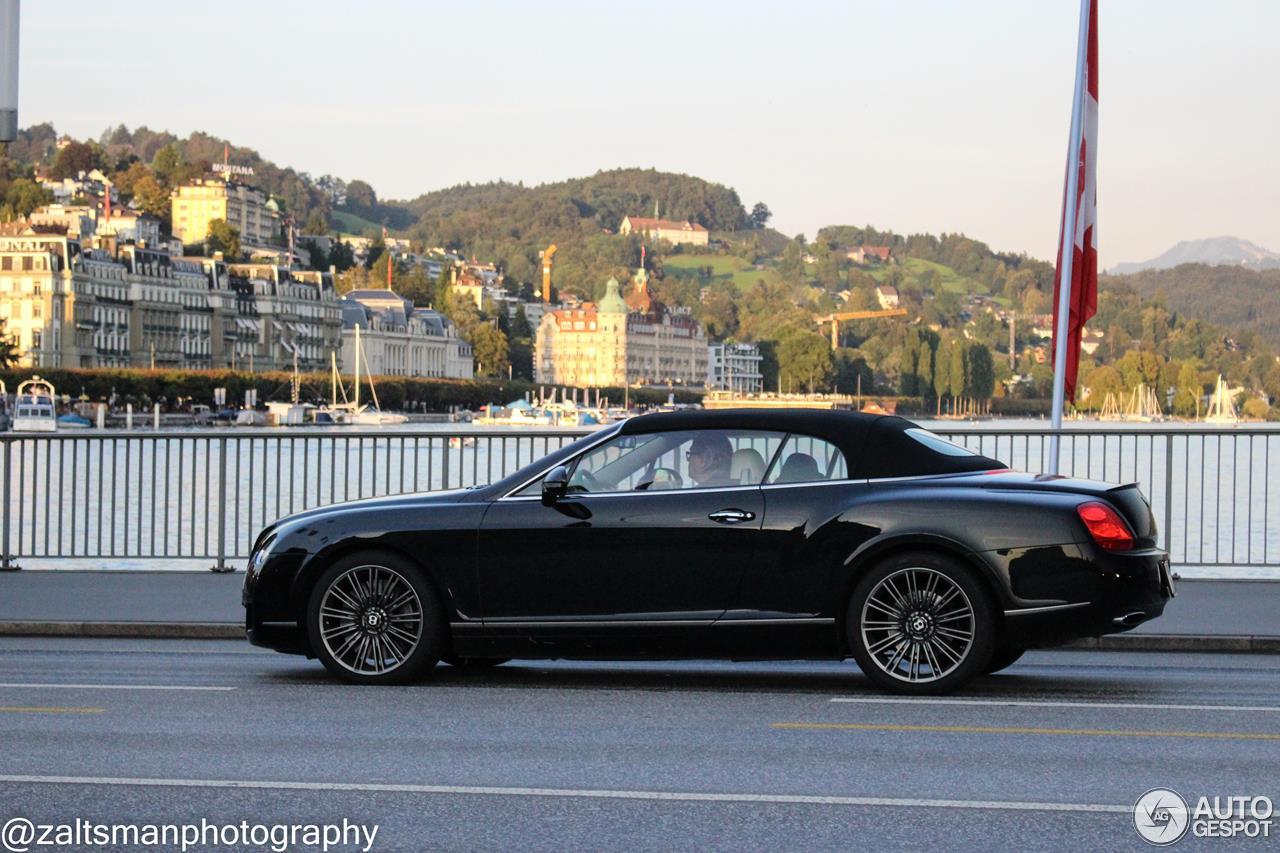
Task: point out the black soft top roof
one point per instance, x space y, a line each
873 445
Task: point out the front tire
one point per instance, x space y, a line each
374 618
920 623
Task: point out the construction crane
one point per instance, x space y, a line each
547 255
836 318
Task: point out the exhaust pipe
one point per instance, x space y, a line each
1130 620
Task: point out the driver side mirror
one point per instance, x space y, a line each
555 485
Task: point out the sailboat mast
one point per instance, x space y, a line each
357 367
333 376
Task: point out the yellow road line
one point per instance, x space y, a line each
17 709
1024 730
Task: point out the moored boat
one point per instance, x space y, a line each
34 409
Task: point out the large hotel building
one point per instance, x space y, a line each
66 304
621 341
198 202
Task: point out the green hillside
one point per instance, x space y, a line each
511 223
740 272
1231 296
351 223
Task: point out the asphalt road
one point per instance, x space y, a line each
1049 756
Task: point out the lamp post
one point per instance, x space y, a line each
9 69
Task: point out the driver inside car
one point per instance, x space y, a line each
709 458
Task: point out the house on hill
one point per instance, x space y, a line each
887 296
867 254
665 229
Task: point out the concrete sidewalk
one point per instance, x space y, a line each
1207 615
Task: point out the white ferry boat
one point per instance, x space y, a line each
33 408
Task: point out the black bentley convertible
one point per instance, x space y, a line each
731 534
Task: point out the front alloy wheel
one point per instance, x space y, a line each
920 624
373 620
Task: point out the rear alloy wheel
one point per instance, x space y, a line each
374 619
920 623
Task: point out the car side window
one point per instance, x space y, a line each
712 458
805 459
617 465
661 461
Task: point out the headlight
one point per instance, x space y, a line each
258 558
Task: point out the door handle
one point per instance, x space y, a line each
731 516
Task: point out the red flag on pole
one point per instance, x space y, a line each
1079 214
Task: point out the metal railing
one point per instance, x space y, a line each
204 495
186 495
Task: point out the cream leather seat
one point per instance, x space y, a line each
746 467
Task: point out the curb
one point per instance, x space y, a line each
235 631
131 630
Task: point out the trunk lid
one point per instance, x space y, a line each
1127 499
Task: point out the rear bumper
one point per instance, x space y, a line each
1126 590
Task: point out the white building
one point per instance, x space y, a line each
734 367
131 226
887 296
397 339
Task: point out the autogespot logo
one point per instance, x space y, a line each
1161 816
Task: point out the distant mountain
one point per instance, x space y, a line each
1215 251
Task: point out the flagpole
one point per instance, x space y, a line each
1067 246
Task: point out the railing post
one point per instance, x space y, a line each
1168 493
7 560
444 468
221 565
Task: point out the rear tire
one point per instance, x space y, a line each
374 618
920 623
1004 657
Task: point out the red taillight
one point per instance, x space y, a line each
1106 526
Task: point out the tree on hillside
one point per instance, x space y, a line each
760 215
804 359
316 223
223 237
341 256
982 372
361 195
958 380
167 165
489 347
1102 381
719 311
22 197
153 198
1186 399
75 158
852 373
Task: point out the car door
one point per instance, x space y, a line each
806 535
637 539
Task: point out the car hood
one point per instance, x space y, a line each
311 517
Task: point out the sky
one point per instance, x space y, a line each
924 116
